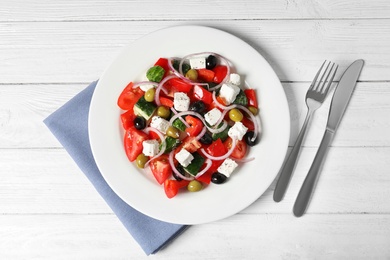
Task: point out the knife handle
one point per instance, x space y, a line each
308 185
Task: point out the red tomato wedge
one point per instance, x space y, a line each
251 96
161 168
133 142
127 119
216 148
172 187
220 73
202 94
196 126
205 75
166 102
239 151
129 96
178 85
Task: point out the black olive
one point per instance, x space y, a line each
139 122
218 178
206 139
180 169
248 138
211 62
198 107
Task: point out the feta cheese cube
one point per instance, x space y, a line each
184 157
198 63
160 124
227 167
213 116
237 131
181 101
150 147
229 92
235 79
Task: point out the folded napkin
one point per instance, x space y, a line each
69 124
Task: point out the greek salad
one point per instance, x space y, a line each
191 121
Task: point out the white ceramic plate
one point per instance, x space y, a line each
140 190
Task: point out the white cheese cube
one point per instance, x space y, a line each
150 147
237 131
227 167
235 79
184 157
198 63
229 92
160 124
213 116
181 101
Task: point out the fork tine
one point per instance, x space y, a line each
313 83
323 80
331 79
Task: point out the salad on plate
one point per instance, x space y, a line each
190 122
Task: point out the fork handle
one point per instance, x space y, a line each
286 172
307 188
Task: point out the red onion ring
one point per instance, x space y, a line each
226 155
181 119
205 169
162 138
159 87
173 166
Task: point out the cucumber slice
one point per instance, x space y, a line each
241 99
179 124
171 143
221 135
144 108
195 165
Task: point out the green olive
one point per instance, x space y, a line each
149 94
141 160
192 74
253 110
194 186
173 132
235 115
163 111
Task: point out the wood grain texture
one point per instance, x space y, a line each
58 52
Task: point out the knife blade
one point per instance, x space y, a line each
340 100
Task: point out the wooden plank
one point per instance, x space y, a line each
21 116
196 10
271 236
47 181
63 52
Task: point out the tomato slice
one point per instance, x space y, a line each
133 142
179 85
206 75
202 94
251 96
220 73
129 96
171 187
196 126
127 119
216 148
161 168
166 101
248 123
206 177
239 151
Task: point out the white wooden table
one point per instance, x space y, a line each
51 50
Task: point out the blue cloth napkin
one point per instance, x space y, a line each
69 124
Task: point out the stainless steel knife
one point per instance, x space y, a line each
340 100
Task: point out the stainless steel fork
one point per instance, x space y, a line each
315 96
